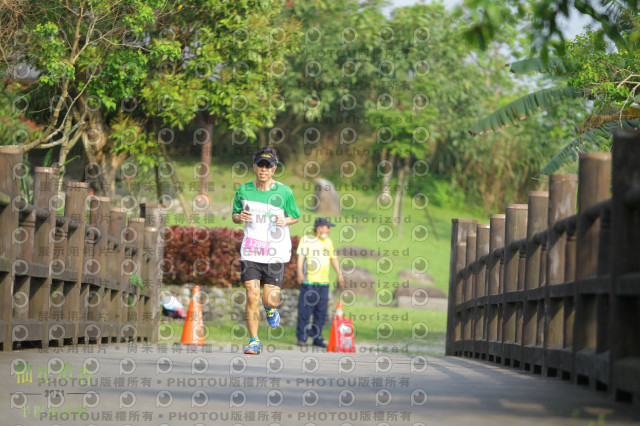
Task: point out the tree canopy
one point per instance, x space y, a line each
120 75
311 78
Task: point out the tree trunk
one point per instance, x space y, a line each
95 140
403 193
397 212
65 148
159 191
206 122
385 192
178 186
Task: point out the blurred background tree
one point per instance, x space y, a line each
597 73
380 99
119 76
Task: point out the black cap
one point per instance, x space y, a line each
271 159
320 221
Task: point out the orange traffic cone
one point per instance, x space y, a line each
342 334
193 332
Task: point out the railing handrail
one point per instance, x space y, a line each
87 254
554 298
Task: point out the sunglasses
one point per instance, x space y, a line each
264 164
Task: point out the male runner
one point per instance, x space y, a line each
315 254
267 208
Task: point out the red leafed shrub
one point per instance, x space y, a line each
211 257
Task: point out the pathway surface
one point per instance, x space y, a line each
156 385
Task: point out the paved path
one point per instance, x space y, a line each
152 386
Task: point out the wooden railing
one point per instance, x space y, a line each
90 275
547 290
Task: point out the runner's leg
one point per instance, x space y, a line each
272 280
271 296
252 312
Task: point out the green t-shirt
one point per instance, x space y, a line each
264 241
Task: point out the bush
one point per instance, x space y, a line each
211 257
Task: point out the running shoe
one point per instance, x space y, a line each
253 348
273 317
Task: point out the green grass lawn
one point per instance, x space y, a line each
362 224
389 329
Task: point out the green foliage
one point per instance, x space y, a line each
129 138
14 127
340 85
592 70
611 78
47 158
131 67
50 45
136 280
488 21
554 66
120 76
444 194
522 108
227 73
598 139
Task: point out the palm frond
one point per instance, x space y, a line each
554 66
591 140
609 114
522 108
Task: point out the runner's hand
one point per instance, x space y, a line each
245 216
280 220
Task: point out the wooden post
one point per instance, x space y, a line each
470 257
10 157
590 309
155 217
534 302
99 293
562 190
483 233
515 229
151 316
23 328
496 240
45 186
116 276
536 222
603 340
76 195
134 234
461 253
459 230
624 328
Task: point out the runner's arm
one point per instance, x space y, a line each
243 216
290 220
